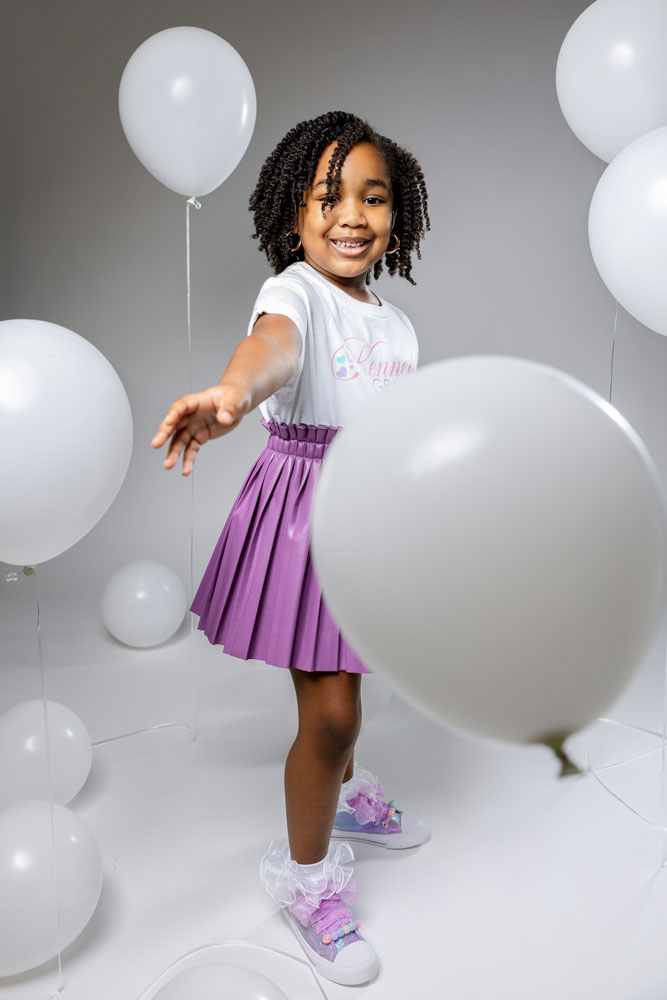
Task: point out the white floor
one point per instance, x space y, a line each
531 887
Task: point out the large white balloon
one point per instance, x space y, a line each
143 603
187 106
24 773
503 553
65 439
611 75
216 980
627 229
27 912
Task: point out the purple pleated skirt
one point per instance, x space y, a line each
259 597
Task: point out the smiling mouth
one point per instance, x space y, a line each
351 248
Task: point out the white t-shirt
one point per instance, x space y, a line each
350 350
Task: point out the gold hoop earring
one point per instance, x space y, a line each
289 244
398 243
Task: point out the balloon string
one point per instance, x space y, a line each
663 790
140 732
662 825
613 350
32 571
191 665
627 725
593 771
626 760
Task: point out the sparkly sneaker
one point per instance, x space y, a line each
317 911
364 815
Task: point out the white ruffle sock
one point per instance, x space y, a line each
362 782
284 879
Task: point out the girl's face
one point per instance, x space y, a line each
345 242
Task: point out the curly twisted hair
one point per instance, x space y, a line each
290 170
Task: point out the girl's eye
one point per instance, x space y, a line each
372 200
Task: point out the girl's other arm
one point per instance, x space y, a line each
260 365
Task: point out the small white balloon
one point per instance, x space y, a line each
24 773
627 229
611 75
65 439
143 603
187 106
518 569
217 980
27 903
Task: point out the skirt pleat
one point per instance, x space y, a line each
259 597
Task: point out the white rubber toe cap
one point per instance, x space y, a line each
415 828
359 961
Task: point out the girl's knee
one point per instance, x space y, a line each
334 726
340 730
330 711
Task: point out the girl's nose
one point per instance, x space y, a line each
351 213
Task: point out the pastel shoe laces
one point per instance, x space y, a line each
361 804
388 819
329 925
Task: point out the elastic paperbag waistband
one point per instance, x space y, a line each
306 440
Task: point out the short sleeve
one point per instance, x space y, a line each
288 299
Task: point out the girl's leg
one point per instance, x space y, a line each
321 756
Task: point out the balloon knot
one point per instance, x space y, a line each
567 765
193 201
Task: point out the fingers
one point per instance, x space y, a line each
180 442
175 414
183 444
189 456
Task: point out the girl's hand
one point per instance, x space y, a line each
199 417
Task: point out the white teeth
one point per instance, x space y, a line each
349 243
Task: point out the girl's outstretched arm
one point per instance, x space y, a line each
261 364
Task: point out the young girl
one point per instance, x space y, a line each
333 202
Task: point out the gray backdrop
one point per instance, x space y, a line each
93 242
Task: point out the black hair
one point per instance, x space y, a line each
290 170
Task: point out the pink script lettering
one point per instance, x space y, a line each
355 357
